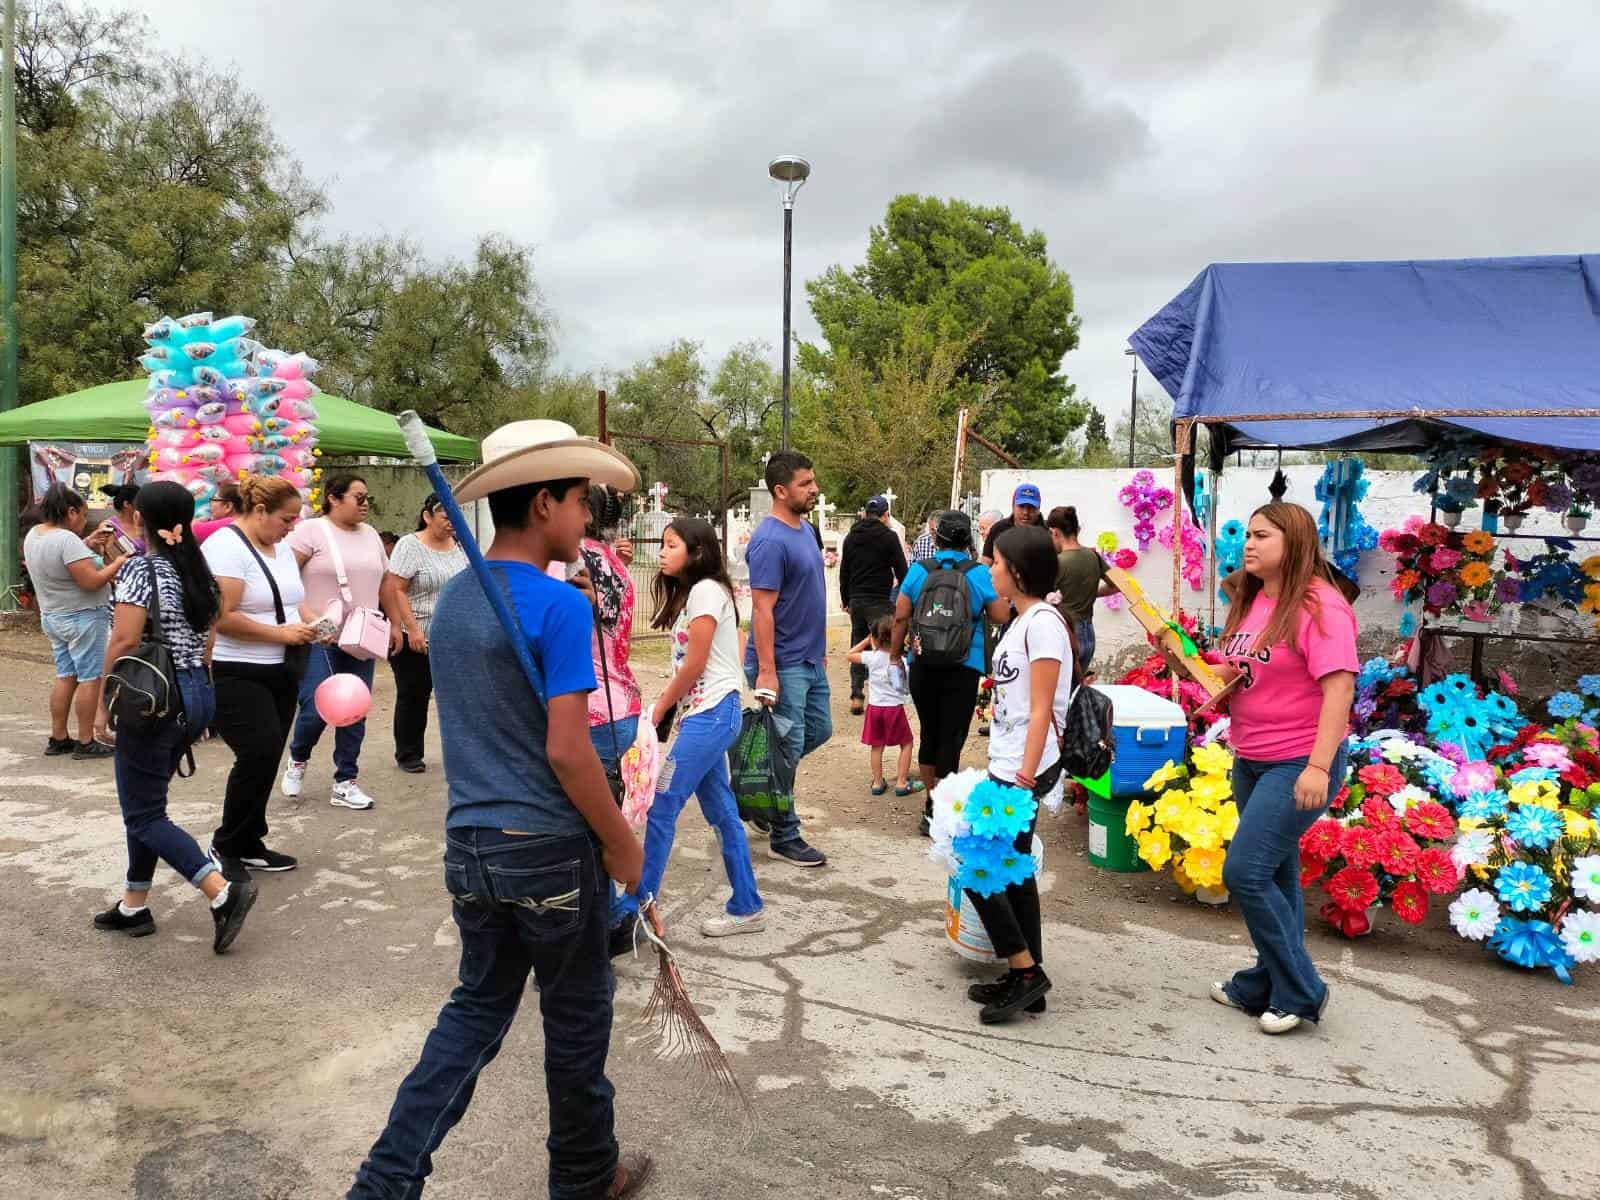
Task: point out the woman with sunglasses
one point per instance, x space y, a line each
339 540
422 563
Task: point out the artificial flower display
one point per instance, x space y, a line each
974 828
1147 501
1191 819
1447 573
1344 486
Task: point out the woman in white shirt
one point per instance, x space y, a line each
260 656
694 600
1033 680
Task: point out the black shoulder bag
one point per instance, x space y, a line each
142 695
296 658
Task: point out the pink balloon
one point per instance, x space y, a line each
343 700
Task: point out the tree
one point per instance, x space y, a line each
1152 439
1095 435
941 272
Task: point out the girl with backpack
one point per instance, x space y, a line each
1034 675
169 596
694 602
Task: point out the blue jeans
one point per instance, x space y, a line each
1262 874
521 904
698 763
78 641
1084 630
144 767
308 726
805 719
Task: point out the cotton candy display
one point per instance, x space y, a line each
222 405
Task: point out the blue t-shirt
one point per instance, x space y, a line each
787 561
980 589
492 725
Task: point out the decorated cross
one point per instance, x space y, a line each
658 495
888 494
823 509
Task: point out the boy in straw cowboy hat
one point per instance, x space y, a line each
532 836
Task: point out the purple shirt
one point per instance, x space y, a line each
787 561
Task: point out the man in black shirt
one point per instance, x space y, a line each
1025 504
871 565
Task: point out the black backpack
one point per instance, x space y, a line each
943 619
141 692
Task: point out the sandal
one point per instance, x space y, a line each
909 789
880 788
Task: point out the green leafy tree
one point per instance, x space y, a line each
1094 433
939 271
1152 437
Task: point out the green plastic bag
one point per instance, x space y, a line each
760 769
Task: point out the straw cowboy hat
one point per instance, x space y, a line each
535 451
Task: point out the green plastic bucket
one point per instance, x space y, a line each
1110 847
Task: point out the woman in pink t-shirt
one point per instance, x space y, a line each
1291 635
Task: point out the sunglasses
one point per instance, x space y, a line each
364 500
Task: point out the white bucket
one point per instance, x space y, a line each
964 927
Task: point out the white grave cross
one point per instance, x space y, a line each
888 494
658 496
823 509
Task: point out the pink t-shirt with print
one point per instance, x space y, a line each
364 562
1276 707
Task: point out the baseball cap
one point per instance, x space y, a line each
876 507
1027 493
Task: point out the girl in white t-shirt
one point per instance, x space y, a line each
694 602
886 723
1033 680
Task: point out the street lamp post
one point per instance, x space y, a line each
1133 404
792 171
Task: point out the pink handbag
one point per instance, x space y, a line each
363 632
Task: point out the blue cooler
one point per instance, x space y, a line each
1150 731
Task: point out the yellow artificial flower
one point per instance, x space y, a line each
1202 830
1580 826
1155 848
1211 790
1170 772
1180 876
1475 574
1228 815
1205 866
1170 807
1542 792
1138 819
1468 824
1591 566
1213 760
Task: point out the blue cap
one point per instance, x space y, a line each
876 507
1027 493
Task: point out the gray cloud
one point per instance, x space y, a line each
1364 39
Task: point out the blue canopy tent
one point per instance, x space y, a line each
1378 355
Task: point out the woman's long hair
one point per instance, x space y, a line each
431 505
165 507
704 561
1303 562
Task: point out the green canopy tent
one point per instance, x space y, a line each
114 412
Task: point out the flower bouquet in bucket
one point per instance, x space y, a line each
1189 821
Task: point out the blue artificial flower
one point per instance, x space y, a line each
1461 685
1564 705
1589 685
1436 697
1534 827
1530 945
1462 489
990 865
1501 707
998 810
1525 887
1439 773
1534 774
1483 806
1408 623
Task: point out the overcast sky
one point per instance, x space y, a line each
628 143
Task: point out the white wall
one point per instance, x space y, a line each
1390 499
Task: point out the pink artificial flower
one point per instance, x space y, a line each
1508 685
1444 558
1547 754
1473 777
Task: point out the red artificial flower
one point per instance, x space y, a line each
1437 872
1433 535
1410 902
1311 869
1342 799
1359 845
1352 889
1398 851
1378 813
1431 820
1350 924
1323 840
1381 779
1399 688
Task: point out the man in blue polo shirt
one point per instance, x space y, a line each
786 661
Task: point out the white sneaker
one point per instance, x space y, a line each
1219 993
294 780
727 925
350 795
1276 1021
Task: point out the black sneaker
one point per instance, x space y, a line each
56 747
620 940
229 919
233 869
1022 988
798 854
268 860
761 825
925 826
85 751
141 924
412 768
988 993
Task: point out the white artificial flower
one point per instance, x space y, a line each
1586 878
1475 914
1580 934
1472 849
1409 796
949 822
1402 749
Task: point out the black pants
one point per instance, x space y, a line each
864 613
945 698
255 714
413 682
1011 917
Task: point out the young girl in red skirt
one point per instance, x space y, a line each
886 723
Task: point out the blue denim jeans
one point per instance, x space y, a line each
1084 630
144 767
308 726
805 718
1262 874
698 764
521 904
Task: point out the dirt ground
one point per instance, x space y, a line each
154 1069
